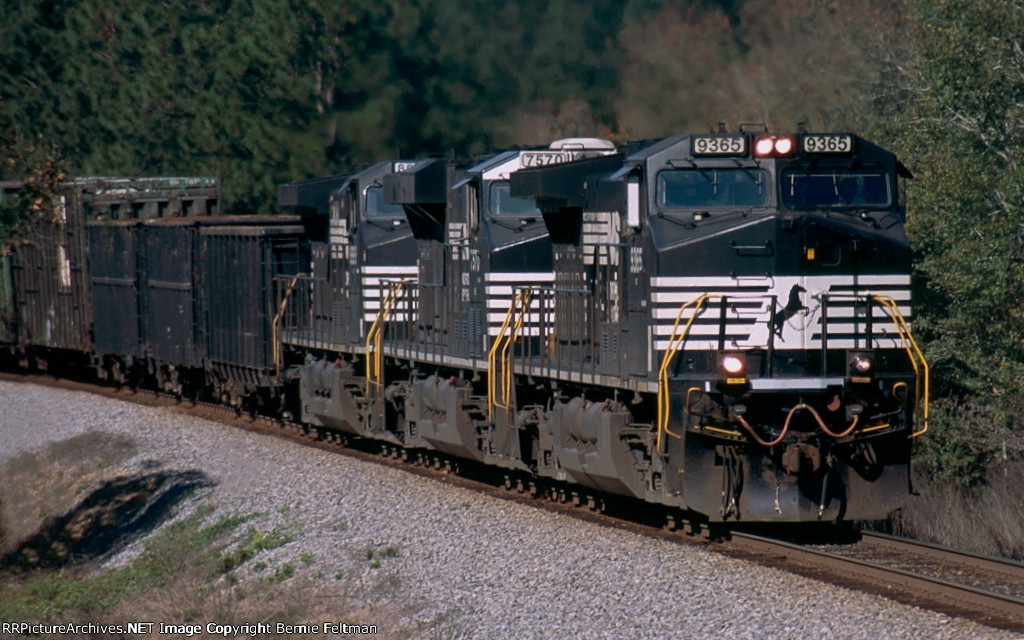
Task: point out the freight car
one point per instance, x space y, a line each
45 293
188 303
717 324
130 277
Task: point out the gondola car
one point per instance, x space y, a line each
48 313
189 303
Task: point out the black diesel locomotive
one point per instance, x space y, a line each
714 323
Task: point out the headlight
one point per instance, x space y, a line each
860 365
733 365
783 146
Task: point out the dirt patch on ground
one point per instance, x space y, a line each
74 500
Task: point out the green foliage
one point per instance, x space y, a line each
263 91
259 92
177 548
283 572
38 168
521 72
255 541
962 131
375 556
954 452
189 87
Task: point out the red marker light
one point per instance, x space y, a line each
784 145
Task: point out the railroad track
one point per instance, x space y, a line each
980 588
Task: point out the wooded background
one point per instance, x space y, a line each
261 92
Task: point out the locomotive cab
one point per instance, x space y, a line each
505 236
373 247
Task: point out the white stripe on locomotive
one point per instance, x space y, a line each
375 281
798 311
501 294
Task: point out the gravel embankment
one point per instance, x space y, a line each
463 565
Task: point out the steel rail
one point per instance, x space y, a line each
1011 568
988 607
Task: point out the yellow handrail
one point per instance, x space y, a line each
921 372
506 358
275 338
375 336
674 344
502 344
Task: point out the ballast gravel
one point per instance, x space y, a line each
435 561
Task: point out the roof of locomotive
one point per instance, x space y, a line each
501 165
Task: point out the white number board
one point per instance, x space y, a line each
719 145
828 144
543 158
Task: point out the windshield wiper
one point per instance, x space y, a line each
508 226
395 223
756 178
713 179
675 220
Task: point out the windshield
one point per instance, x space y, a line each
503 204
836 188
710 188
375 207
